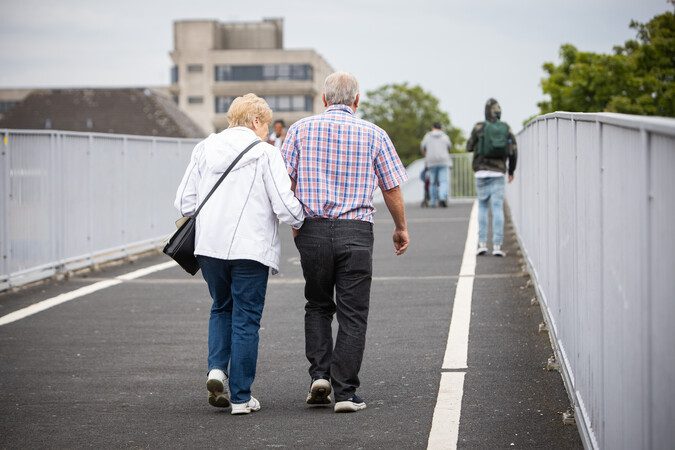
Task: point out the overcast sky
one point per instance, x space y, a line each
463 51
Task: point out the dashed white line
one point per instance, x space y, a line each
447 413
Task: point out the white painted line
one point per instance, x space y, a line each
86 290
445 424
49 303
457 347
469 258
147 271
447 413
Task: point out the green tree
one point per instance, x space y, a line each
637 79
406 113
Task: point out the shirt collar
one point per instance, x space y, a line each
344 108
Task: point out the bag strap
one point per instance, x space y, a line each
222 177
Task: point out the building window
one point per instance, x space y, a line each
223 104
196 100
195 68
267 72
174 75
289 103
278 103
6 106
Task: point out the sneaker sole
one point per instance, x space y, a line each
347 407
481 253
217 395
501 255
319 395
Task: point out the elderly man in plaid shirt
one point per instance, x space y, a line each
335 161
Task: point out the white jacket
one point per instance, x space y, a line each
241 219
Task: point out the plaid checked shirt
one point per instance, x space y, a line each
337 161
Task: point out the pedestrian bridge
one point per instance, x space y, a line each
590 256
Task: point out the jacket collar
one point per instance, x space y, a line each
344 108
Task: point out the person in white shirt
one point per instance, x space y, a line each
237 241
435 147
277 136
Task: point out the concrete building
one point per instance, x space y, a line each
215 62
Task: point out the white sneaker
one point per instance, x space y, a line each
319 393
352 404
482 248
497 251
245 408
216 384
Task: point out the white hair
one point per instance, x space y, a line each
340 88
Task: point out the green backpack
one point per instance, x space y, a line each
495 140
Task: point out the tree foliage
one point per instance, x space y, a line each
406 113
639 78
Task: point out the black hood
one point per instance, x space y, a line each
492 110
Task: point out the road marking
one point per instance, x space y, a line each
445 424
147 271
425 220
81 292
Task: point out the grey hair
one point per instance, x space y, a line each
340 88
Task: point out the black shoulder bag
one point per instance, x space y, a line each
181 245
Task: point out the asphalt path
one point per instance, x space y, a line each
125 366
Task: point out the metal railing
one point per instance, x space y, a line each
70 200
593 204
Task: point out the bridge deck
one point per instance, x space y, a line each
124 366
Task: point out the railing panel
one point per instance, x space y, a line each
29 224
662 284
75 196
593 208
70 199
624 236
588 375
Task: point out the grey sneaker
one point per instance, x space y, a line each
245 408
216 384
352 404
319 393
497 251
482 248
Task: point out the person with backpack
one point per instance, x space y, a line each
493 144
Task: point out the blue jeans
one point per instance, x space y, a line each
490 192
438 184
238 289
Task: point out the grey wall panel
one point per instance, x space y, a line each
593 207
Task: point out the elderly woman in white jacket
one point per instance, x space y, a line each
237 241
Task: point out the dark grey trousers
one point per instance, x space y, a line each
337 263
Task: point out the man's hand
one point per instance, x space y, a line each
401 241
394 201
510 178
295 232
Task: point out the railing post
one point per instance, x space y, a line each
4 207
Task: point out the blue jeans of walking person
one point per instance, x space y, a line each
490 193
238 289
438 184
